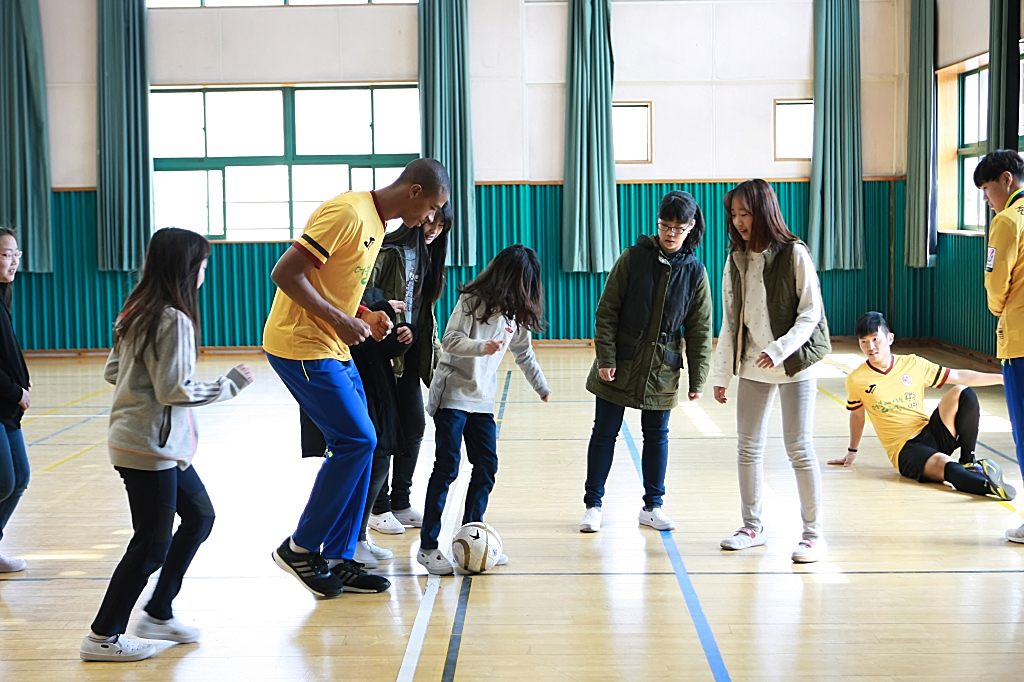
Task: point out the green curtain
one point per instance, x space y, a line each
1003 74
921 237
24 146
445 113
836 219
124 203
590 225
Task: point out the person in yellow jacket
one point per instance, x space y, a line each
1000 175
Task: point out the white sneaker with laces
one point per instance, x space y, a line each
379 553
744 538
591 522
116 649
409 517
364 555
810 551
656 519
171 630
1015 534
386 523
11 565
435 562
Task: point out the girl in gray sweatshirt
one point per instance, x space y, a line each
152 438
495 311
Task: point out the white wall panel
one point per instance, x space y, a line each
379 43
496 39
498 139
184 47
545 131
71 124
545 38
880 39
274 45
878 128
762 40
663 41
962 29
69 40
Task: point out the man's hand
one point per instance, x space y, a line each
351 330
380 323
720 395
606 373
844 461
492 347
26 399
405 335
694 396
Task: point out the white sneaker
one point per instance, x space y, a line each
809 551
379 553
117 649
656 519
171 630
11 565
435 562
1015 534
386 523
409 517
502 560
364 555
744 538
591 522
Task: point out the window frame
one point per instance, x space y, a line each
966 151
775 129
650 131
289 158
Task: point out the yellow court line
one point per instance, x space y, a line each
68 459
91 395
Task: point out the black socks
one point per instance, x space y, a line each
968 415
966 481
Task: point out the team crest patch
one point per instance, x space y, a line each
906 380
991 260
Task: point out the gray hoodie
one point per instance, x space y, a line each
151 422
466 377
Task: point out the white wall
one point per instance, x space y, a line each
711 67
962 28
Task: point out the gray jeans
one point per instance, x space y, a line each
753 404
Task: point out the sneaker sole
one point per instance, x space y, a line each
1012 538
363 590
740 549
388 531
804 560
651 525
131 658
994 474
164 637
589 529
449 571
284 565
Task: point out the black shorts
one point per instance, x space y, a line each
934 437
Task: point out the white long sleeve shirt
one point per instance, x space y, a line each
757 326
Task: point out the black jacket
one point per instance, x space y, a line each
13 371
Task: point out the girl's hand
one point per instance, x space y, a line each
547 397
720 395
764 361
844 461
380 323
246 372
405 335
26 399
493 347
606 373
694 396
398 306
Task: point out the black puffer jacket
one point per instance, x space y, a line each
13 370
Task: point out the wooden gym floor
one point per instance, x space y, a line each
919 585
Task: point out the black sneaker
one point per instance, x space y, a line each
355 579
311 570
994 473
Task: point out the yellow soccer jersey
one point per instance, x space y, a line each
342 239
895 398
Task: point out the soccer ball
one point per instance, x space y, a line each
476 547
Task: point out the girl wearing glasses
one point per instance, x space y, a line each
655 308
15 398
773 331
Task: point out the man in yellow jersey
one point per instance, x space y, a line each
315 317
891 389
1000 175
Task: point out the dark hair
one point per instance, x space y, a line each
869 323
428 174
994 164
7 288
170 278
510 286
769 229
681 207
431 258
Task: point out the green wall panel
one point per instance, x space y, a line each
961 311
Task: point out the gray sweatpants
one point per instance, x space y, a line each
753 404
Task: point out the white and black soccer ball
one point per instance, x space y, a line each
476 547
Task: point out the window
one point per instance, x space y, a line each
794 129
972 136
265 3
253 165
632 132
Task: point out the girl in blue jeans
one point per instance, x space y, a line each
15 398
496 310
655 309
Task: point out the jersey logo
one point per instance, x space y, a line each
906 380
369 243
991 260
871 388
509 330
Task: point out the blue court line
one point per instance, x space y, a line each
452 660
707 638
75 425
992 449
501 407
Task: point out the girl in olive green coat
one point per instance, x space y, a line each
655 308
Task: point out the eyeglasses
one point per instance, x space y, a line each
674 230
11 256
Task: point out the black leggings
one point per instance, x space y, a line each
413 423
154 497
